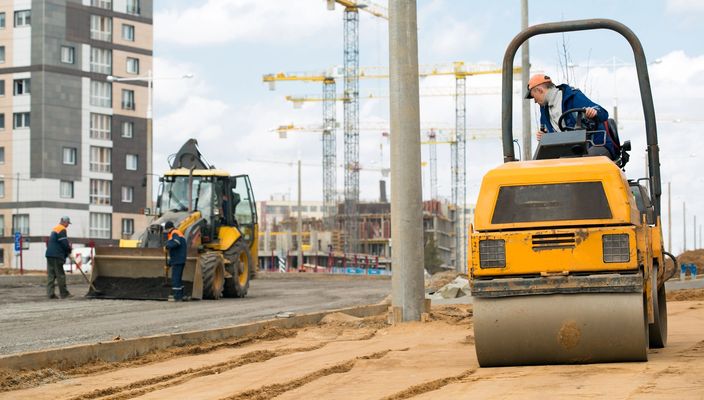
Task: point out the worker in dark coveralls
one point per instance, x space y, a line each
177 247
57 249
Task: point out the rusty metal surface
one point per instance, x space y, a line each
557 284
643 83
560 329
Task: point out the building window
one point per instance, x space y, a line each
101 60
2 225
101 28
127 194
101 94
2 189
100 126
2 54
132 7
66 190
132 65
2 122
100 192
127 226
100 225
2 155
106 4
127 129
21 86
100 159
2 20
23 18
20 223
20 120
131 162
70 155
2 87
127 99
128 32
68 54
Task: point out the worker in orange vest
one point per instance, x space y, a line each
57 249
177 247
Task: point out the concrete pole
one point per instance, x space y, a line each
300 222
684 226
525 76
694 231
669 217
406 190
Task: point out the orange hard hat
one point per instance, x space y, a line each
536 80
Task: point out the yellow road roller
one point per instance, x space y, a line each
567 258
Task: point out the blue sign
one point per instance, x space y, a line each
374 271
18 239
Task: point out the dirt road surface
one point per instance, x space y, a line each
349 358
30 321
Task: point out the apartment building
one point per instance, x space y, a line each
72 141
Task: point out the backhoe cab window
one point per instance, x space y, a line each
554 202
175 195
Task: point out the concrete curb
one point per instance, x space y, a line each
125 349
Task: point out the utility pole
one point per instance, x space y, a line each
300 221
694 231
684 226
669 217
406 187
525 76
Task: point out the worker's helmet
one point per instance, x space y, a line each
535 80
168 225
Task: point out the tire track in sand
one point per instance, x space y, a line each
277 389
161 382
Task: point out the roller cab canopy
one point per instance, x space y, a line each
555 193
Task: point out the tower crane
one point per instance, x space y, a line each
351 106
460 70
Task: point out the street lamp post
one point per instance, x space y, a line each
149 79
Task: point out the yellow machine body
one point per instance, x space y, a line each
545 275
214 211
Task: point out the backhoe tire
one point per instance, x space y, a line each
213 269
658 329
240 267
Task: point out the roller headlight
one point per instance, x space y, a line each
616 248
492 253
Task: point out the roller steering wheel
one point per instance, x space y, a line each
582 122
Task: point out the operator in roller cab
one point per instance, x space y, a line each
556 102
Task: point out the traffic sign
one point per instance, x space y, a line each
18 240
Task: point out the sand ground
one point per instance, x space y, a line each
349 358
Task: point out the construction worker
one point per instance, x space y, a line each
177 247
555 100
57 249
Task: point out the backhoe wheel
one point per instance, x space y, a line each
658 329
213 269
240 267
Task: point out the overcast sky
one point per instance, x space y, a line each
229 44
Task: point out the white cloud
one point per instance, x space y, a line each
172 84
222 21
685 6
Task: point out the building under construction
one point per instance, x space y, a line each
324 249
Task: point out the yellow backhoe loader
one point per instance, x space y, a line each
216 213
567 258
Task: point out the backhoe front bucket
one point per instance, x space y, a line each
138 273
